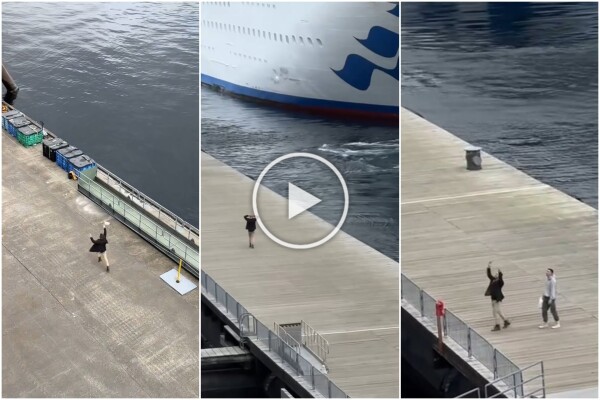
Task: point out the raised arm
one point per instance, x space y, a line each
489 273
105 232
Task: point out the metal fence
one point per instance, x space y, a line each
149 227
152 206
532 387
471 341
316 343
253 329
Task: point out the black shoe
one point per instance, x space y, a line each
506 323
99 259
107 268
496 328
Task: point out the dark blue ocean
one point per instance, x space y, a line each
518 79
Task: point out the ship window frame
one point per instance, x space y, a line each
309 41
294 39
301 40
287 39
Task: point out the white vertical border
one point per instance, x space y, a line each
400 202
200 197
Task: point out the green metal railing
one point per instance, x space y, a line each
171 244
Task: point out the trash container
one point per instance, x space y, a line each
46 143
473 155
80 163
50 145
29 135
16 123
63 155
9 115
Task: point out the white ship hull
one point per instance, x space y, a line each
339 58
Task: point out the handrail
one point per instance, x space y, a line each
281 332
271 341
174 245
316 343
465 336
146 199
518 386
466 394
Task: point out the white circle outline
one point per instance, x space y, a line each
283 242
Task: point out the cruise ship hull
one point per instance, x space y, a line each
339 59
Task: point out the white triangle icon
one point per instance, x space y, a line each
299 200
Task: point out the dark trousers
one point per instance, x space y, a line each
545 305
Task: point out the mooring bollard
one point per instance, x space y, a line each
179 270
473 155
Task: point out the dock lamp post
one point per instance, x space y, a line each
439 313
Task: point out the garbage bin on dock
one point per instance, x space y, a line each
473 155
9 115
29 135
63 155
81 163
51 145
16 123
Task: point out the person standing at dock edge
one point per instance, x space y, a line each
250 227
494 290
549 300
99 247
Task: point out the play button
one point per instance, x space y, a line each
299 200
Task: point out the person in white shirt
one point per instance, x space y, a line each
549 300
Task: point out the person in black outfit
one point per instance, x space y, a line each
494 290
99 247
250 227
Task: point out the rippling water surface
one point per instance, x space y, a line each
248 137
518 79
118 80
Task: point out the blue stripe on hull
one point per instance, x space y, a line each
299 101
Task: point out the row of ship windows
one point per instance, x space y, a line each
228 4
258 33
241 55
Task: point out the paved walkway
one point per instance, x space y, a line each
344 289
69 329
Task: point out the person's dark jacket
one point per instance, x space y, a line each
99 245
250 223
494 289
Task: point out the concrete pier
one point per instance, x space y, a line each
69 328
345 290
454 221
